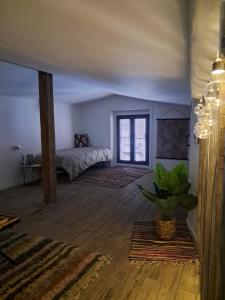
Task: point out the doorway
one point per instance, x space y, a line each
133 139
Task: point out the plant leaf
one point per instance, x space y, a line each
169 203
167 207
187 201
175 182
159 173
150 196
182 189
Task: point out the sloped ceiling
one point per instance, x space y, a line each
20 82
136 48
204 42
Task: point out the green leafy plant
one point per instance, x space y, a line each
171 190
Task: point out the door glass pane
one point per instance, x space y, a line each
125 139
140 139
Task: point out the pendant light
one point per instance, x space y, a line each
218 66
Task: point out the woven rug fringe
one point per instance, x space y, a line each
159 263
82 284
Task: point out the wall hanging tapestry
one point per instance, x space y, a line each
172 139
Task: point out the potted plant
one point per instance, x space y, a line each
171 192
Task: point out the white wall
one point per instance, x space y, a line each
193 173
77 120
97 120
20 124
66 123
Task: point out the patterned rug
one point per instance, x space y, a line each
113 177
8 221
147 247
45 269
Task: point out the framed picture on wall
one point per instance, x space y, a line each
172 139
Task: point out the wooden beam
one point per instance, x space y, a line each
47 136
211 235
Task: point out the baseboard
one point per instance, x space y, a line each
130 165
192 234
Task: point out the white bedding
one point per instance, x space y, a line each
76 160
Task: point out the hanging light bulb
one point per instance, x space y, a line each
207 109
218 66
212 93
198 108
202 130
208 115
206 118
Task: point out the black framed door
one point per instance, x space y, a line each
133 139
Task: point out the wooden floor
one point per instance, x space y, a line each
102 219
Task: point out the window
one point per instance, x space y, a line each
133 139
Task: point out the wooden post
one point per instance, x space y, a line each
211 235
47 136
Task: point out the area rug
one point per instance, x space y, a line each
45 269
147 247
8 221
113 177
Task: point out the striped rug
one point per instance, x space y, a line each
147 247
45 269
112 177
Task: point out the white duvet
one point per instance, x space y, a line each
76 160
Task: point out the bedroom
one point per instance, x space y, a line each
20 120
106 80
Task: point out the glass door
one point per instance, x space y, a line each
133 139
125 140
140 126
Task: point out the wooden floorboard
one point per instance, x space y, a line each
101 219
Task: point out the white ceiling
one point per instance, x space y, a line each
136 48
20 82
205 42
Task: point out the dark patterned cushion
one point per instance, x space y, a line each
81 140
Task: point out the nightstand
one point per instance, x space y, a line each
31 173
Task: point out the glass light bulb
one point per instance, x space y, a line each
208 114
198 109
212 91
201 130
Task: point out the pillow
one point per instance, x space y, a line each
81 140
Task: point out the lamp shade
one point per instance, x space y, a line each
218 66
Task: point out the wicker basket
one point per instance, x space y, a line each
165 229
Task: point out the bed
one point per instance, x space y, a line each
76 160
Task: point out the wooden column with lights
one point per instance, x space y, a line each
47 136
211 208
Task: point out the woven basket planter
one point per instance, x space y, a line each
165 229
